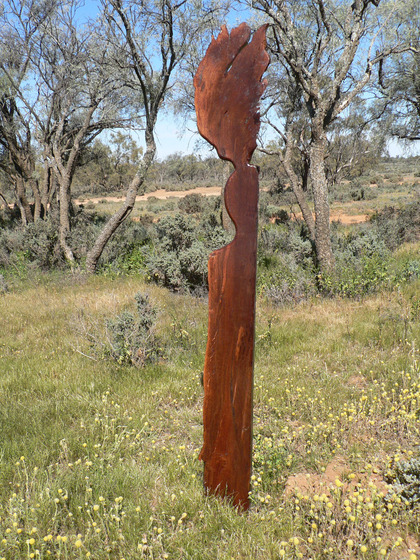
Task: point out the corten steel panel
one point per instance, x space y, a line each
228 88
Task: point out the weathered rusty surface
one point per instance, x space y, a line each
228 88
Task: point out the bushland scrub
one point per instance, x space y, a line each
101 399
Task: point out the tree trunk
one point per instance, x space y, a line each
120 216
7 209
318 178
45 190
64 229
25 209
301 198
37 199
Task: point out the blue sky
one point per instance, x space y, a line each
172 137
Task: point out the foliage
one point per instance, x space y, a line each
285 264
191 203
105 168
178 171
399 225
405 480
179 257
362 265
131 338
3 285
37 243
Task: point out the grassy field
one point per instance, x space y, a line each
100 461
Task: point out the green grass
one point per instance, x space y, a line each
100 461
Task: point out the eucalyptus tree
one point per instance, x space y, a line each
355 142
17 158
323 56
19 22
149 41
68 91
399 79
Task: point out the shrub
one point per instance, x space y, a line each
125 250
3 285
405 480
285 264
179 258
286 291
131 338
362 265
398 225
276 214
36 243
191 203
357 279
410 271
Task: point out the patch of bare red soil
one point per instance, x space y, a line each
313 483
160 194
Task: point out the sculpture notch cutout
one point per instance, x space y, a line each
228 89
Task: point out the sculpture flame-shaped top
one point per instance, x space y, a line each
228 88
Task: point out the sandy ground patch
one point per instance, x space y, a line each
163 194
160 194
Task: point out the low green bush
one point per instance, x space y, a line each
191 203
36 243
362 264
398 225
178 259
285 264
405 480
131 337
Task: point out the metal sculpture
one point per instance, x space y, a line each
228 88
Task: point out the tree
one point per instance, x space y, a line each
105 167
399 80
149 40
17 154
324 53
355 142
65 88
19 23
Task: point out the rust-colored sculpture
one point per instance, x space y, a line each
228 88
